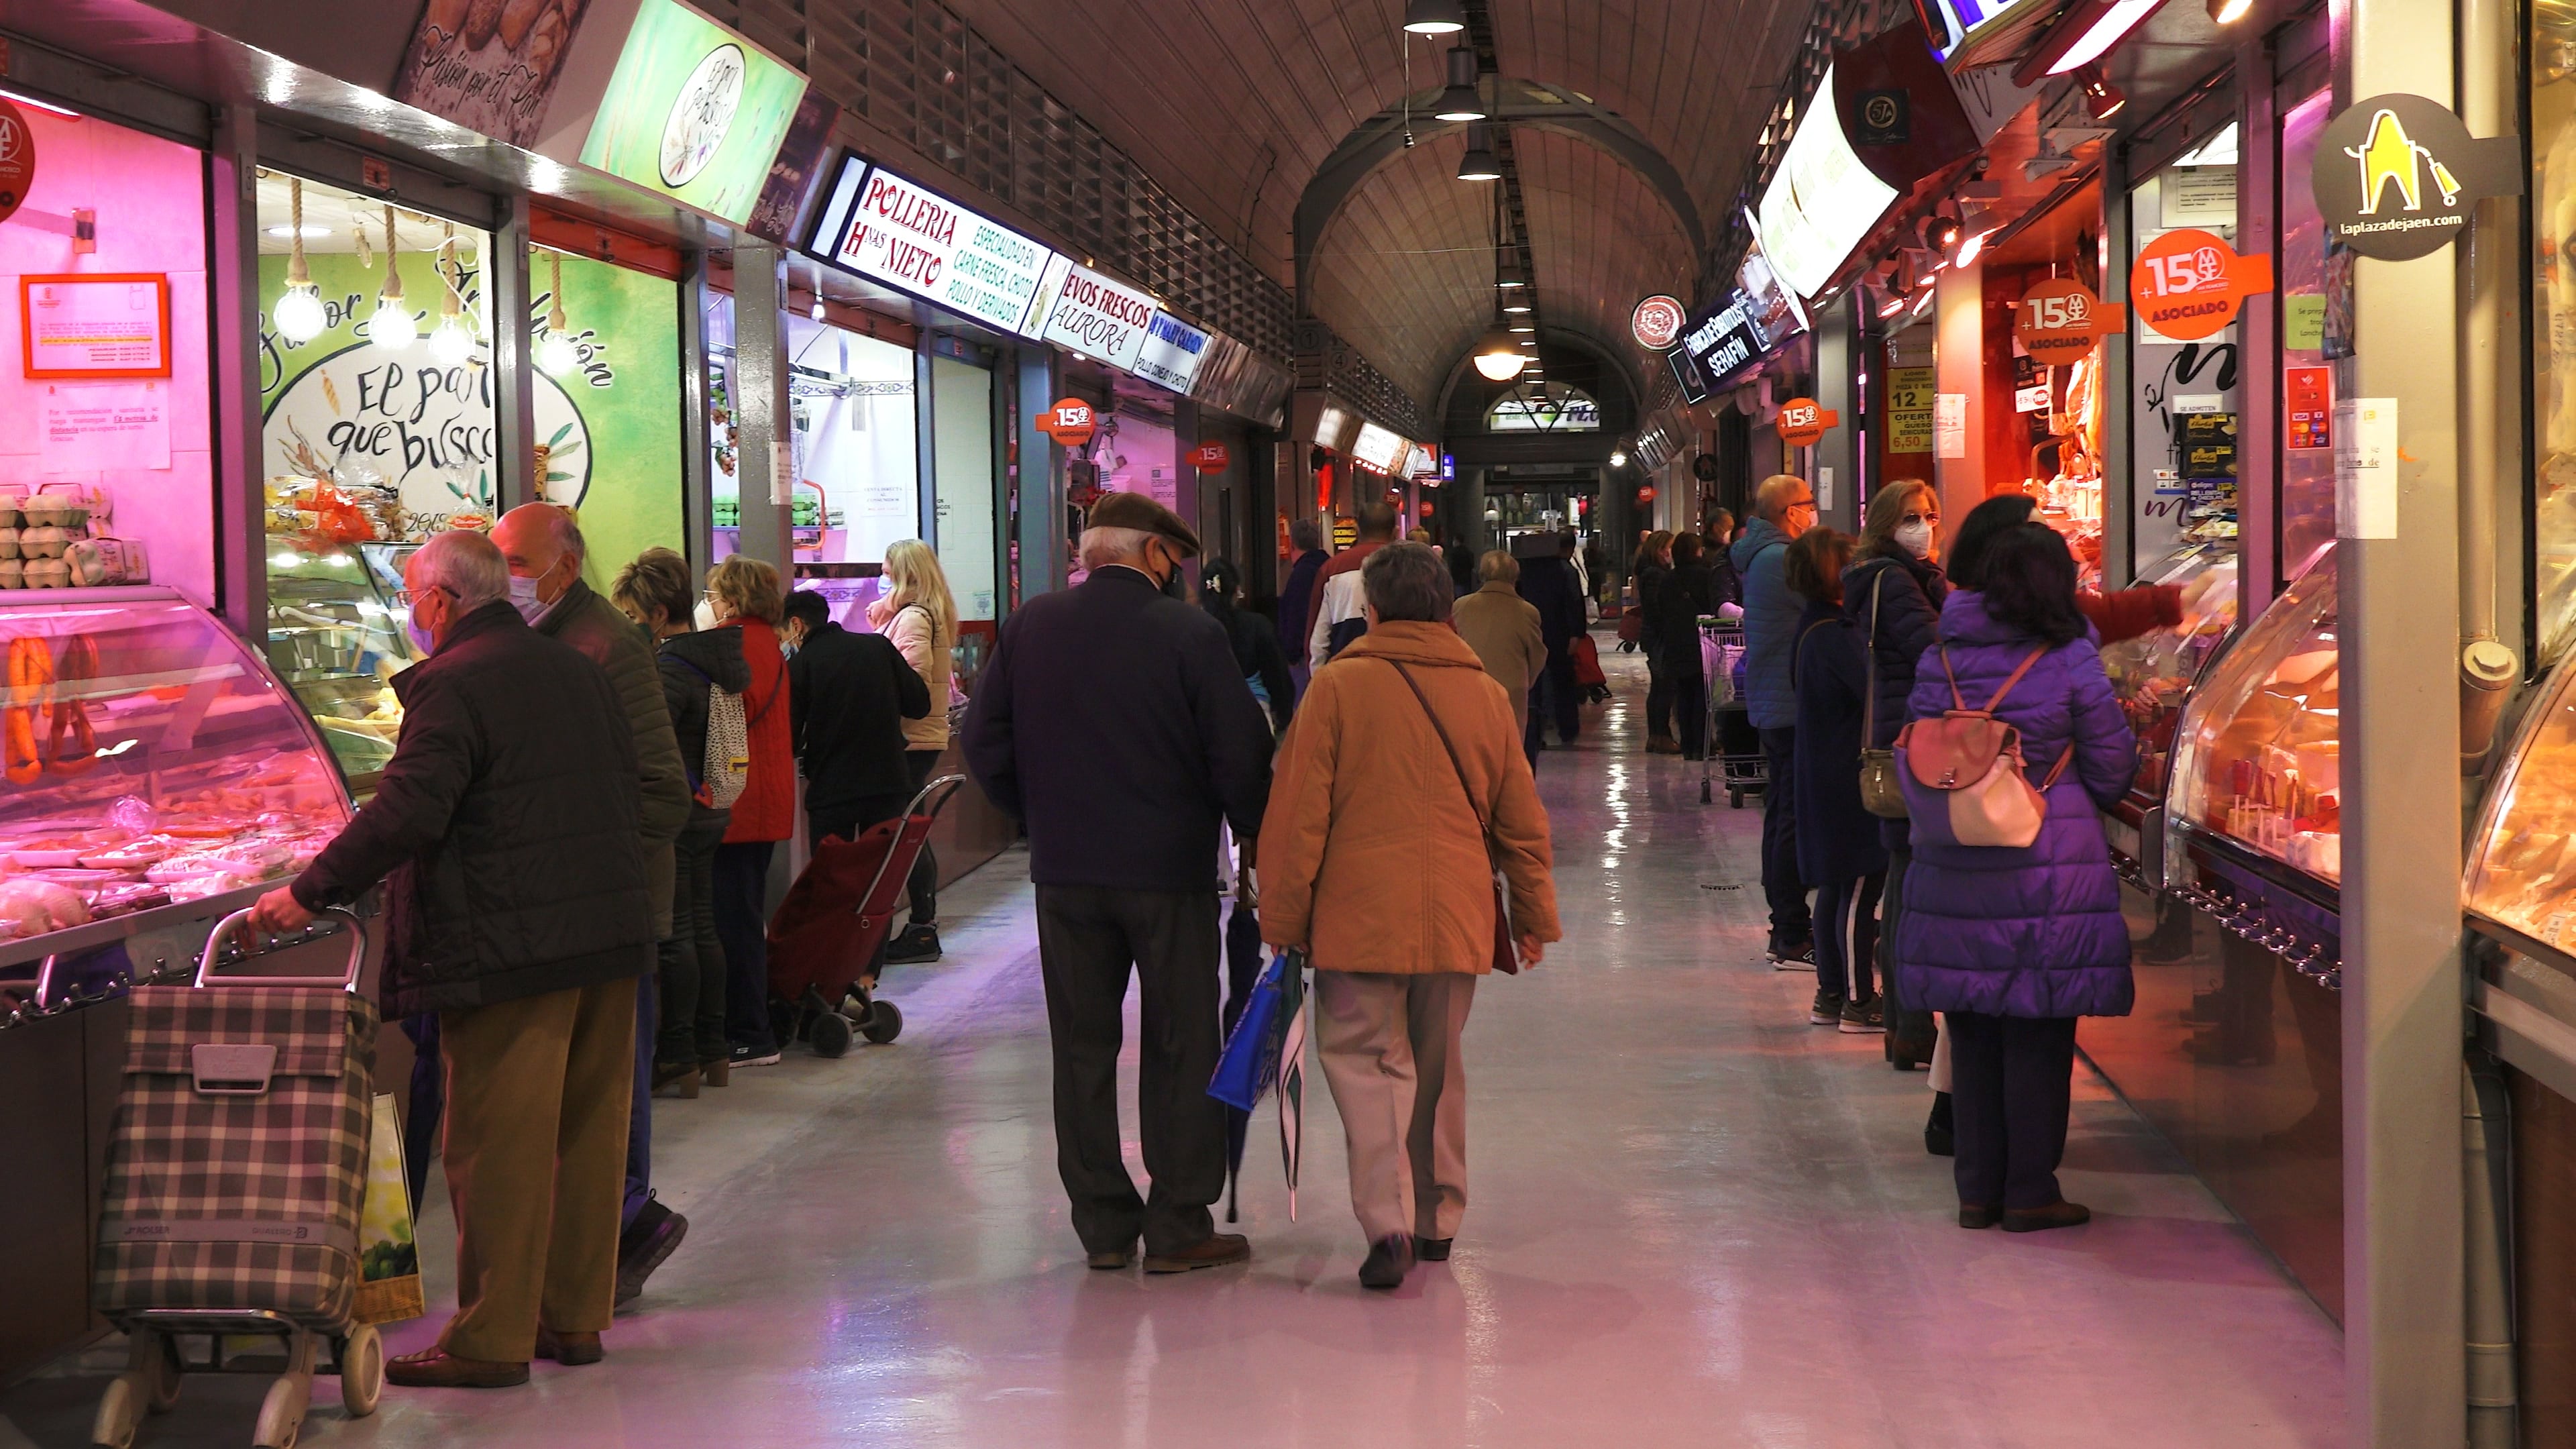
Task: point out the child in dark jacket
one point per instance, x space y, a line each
1838 840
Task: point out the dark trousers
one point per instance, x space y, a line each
694 989
1847 935
639 1109
1787 895
1690 697
847 819
2010 1078
741 881
1909 1027
1089 939
924 885
1659 692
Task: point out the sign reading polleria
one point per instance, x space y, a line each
891 230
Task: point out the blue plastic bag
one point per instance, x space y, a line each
1250 1062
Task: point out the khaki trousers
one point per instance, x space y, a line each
1389 1046
537 1097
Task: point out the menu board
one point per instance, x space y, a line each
1377 448
1171 352
1093 315
892 230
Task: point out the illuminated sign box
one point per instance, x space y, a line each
685 107
890 229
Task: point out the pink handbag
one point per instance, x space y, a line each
1966 769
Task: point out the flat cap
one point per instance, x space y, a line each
1136 511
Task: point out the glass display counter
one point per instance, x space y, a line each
2153 673
2258 759
336 636
2522 860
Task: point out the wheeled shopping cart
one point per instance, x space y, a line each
235 1182
1734 745
823 941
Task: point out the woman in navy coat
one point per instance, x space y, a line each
1838 840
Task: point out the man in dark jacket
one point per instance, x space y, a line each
1549 582
848 696
1783 508
545 550
517 909
1306 536
1112 719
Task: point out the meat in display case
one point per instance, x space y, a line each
2258 760
2152 674
155 770
2522 861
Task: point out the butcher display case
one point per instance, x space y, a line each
2153 675
336 635
2522 859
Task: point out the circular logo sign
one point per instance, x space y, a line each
702 115
1646 494
1802 422
1878 112
2059 320
1210 457
2397 176
2188 284
17 159
1657 321
1071 422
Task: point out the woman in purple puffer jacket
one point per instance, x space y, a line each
2012 945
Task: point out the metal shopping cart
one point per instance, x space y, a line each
1734 745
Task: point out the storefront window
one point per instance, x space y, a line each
2307 379
377 391
615 461
2553 322
962 441
2188 394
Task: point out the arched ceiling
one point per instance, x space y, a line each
1235 104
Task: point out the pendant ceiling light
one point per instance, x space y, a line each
452 343
1511 273
1522 324
1479 163
1516 303
392 327
298 313
1460 102
1497 358
1434 17
558 353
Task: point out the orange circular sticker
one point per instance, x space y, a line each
2059 320
1070 422
2188 284
17 159
1802 422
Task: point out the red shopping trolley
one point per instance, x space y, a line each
823 941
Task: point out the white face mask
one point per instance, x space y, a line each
1915 538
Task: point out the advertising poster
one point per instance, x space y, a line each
488 65
1910 391
693 111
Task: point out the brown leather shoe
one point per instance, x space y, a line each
717 1073
2059 1214
569 1349
1663 745
1112 1260
1978 1215
436 1368
1213 1251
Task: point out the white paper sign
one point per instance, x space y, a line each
2201 196
2031 399
104 426
1093 315
2200 402
1950 425
2365 454
1171 351
1824 488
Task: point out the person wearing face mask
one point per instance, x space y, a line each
743 595
1783 508
507 832
543 546
1892 596
1114 723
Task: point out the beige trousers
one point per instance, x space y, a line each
537 1097
1389 1046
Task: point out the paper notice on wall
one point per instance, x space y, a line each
1950 425
102 426
2365 454
1163 485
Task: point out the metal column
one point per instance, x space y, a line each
697 457
764 425
232 269
1041 522
514 361
2404 1376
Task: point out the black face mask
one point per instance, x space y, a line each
1172 585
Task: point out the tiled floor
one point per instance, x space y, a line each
1697 1221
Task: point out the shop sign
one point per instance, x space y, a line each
2058 321
2397 176
1170 353
2307 403
1724 342
693 111
1775 310
1909 409
488 67
1448 467
1093 315
792 172
17 159
1346 533
1802 422
1686 373
1655 323
2188 284
1071 422
1210 457
1822 202
1376 448
1646 494
887 229
2031 399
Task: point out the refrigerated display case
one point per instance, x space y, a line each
335 633
2257 764
2153 676
2522 860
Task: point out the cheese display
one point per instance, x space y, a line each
336 635
2522 860
2153 672
147 757
2257 758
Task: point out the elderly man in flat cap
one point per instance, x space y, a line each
1113 720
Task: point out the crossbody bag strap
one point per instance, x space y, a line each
1455 763
1869 697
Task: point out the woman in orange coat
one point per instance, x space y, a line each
1373 858
743 593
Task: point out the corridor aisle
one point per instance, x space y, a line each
1696 1220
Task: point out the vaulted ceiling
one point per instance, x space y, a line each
1235 104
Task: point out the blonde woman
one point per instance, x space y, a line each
918 614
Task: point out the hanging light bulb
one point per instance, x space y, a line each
453 342
558 353
298 313
1498 359
1460 101
392 327
1479 163
1435 17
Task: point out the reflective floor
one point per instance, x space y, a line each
1696 1220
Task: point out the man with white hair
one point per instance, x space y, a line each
505 829
1113 720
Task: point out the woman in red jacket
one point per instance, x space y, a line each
744 594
